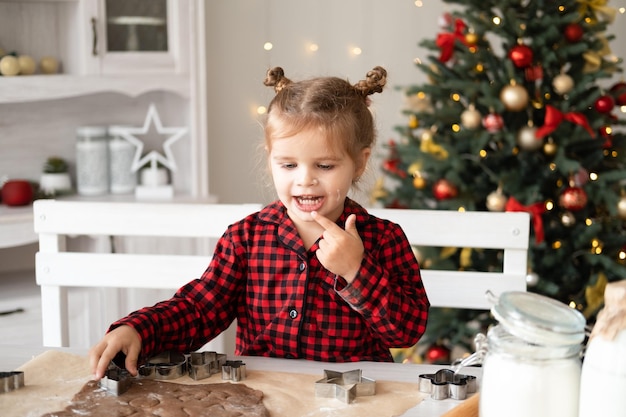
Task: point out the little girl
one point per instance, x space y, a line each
310 276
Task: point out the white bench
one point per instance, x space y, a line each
57 269
508 232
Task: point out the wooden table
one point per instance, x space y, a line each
12 357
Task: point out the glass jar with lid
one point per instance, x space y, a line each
122 177
92 160
532 363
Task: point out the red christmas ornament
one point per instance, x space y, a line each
444 189
533 72
573 32
493 122
604 104
618 91
437 354
573 199
521 55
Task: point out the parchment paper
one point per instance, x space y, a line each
53 378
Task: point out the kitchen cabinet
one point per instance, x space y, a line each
116 58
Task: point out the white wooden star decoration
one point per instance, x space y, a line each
167 160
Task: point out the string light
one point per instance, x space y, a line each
418 3
261 110
356 51
268 46
313 47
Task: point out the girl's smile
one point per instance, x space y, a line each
311 175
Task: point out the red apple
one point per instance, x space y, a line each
17 193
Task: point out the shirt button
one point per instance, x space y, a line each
302 266
293 313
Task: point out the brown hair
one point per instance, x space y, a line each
332 105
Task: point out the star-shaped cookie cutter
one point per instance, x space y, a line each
10 381
445 383
344 386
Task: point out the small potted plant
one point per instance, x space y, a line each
55 178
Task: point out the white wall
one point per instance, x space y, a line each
388 31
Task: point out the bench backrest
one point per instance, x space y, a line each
508 232
57 269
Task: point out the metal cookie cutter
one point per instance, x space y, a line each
116 381
234 370
10 381
344 386
204 364
447 384
165 366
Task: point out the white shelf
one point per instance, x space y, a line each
30 88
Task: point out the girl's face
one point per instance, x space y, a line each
309 175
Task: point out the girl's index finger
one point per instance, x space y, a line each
323 221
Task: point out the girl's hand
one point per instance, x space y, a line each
123 339
340 251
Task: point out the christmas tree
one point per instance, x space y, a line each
514 117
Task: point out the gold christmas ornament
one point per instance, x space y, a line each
419 182
471 118
496 200
514 97
413 122
471 39
550 148
527 140
563 84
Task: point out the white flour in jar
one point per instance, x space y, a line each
515 387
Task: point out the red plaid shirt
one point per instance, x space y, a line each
286 303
